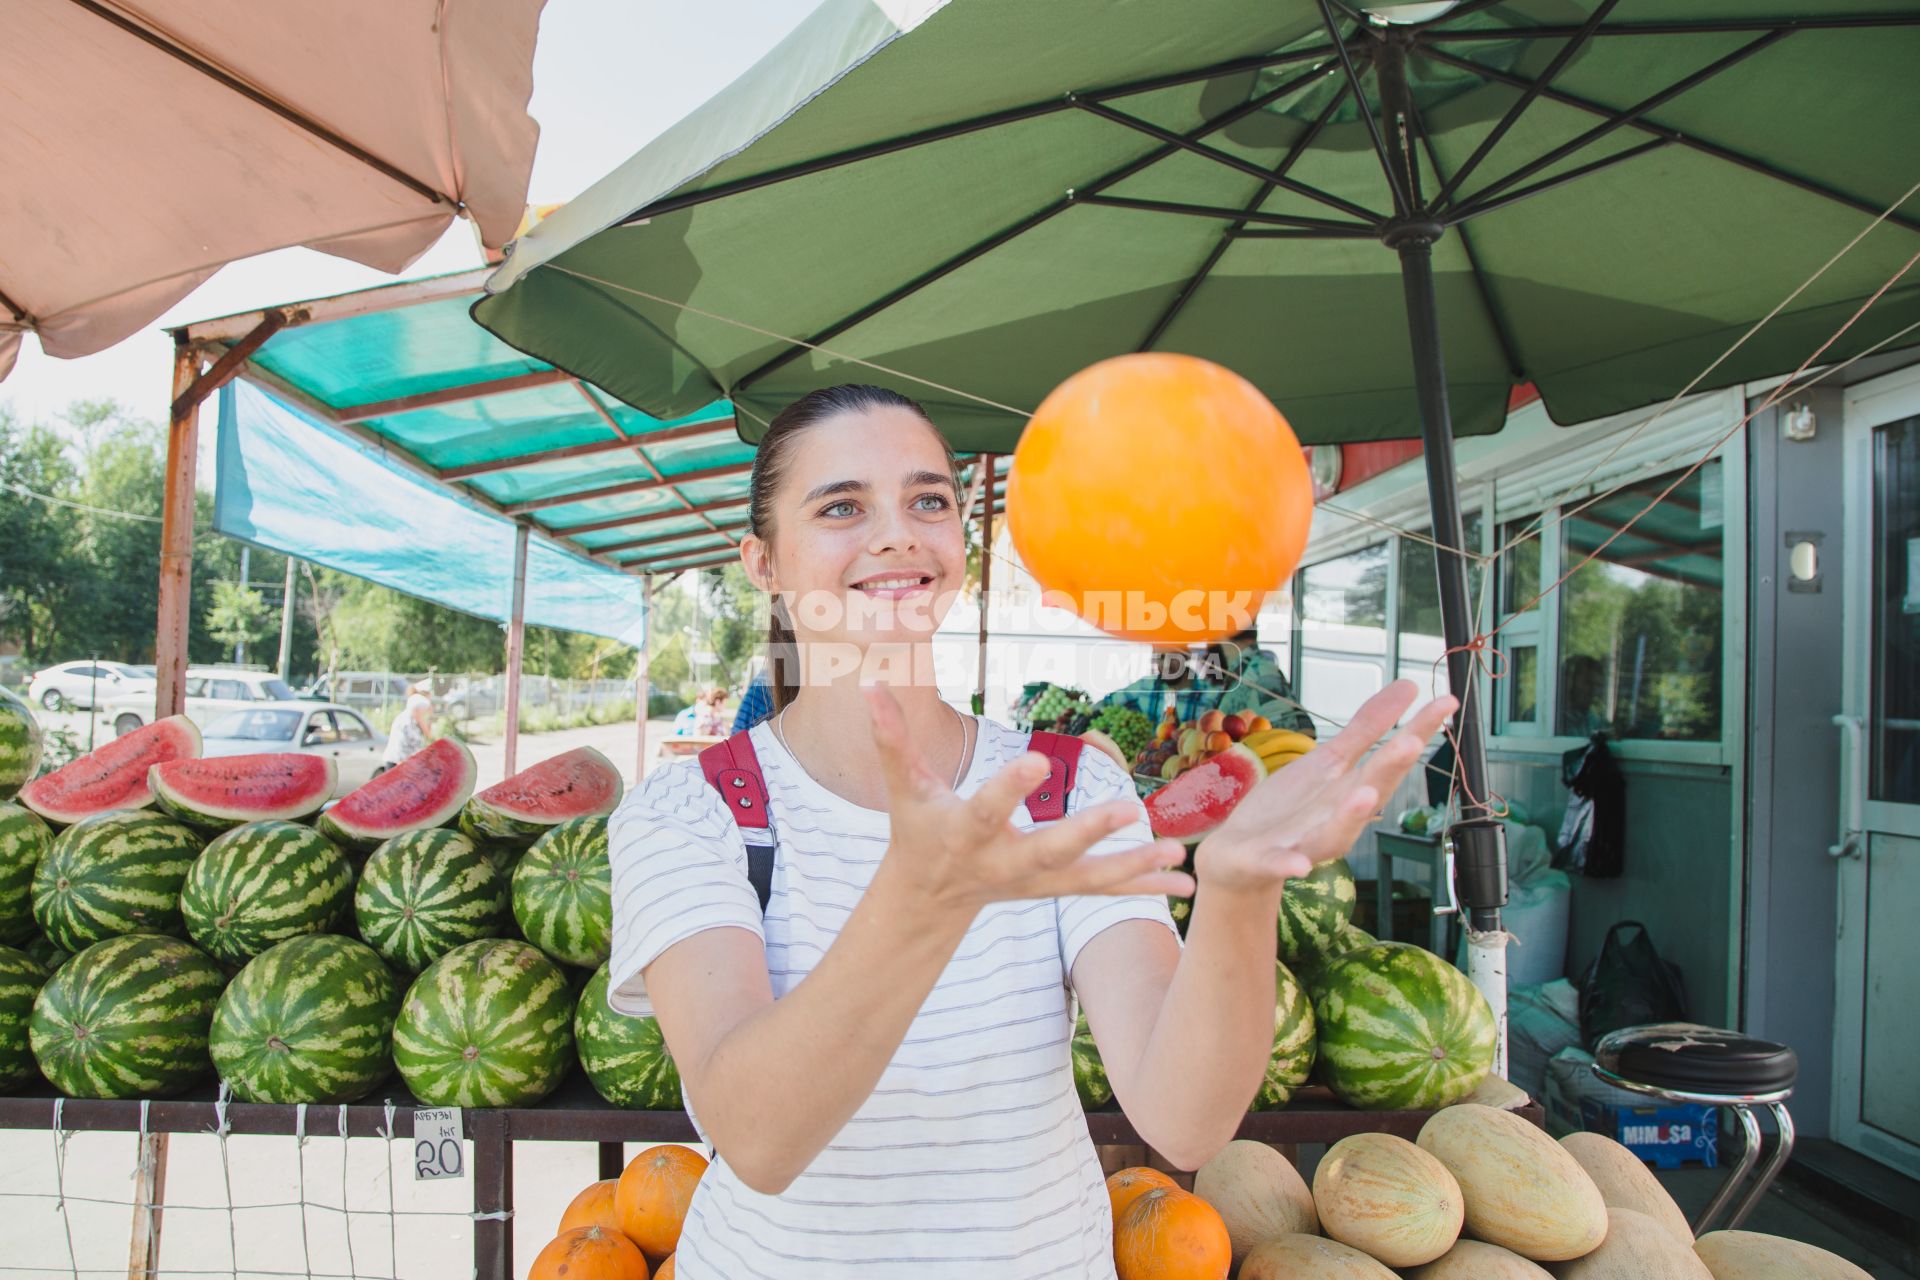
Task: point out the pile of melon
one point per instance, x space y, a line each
626 1228
1482 1195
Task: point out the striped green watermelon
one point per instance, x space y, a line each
308 1020
625 1057
1089 1072
20 745
21 977
110 874
1313 909
1400 1028
563 893
127 1018
219 794
262 883
424 893
41 948
1293 1042
489 1024
574 784
24 840
1313 968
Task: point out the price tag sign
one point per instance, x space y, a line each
438 1144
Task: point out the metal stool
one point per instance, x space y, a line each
1686 1062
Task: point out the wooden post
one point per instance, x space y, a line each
987 460
516 645
286 624
492 1194
149 1199
176 537
642 685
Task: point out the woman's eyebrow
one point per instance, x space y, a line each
834 487
920 478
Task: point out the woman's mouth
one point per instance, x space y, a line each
894 586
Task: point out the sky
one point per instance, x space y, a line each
608 76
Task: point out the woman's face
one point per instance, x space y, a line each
866 546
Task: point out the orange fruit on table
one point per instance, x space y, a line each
1124 1186
589 1253
666 1270
1160 497
1170 1234
653 1195
593 1207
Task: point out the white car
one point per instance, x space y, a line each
86 684
210 692
323 728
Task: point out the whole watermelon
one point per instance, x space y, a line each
1313 909
1400 1029
1293 1042
426 892
563 893
309 1020
127 1018
21 977
489 1024
24 840
20 745
1089 1072
113 873
625 1057
262 883
50 957
1311 970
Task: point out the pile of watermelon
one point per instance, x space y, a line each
165 917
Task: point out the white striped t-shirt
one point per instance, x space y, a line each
972 1149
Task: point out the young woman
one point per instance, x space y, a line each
881 1060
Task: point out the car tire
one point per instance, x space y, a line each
52 700
125 723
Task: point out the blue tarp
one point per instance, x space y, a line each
288 482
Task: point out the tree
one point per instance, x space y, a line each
238 616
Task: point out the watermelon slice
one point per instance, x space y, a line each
424 790
115 776
1201 798
226 791
574 784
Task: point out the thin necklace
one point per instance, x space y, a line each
959 771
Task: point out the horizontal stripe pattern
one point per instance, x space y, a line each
972 1148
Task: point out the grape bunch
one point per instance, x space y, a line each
1130 730
1059 709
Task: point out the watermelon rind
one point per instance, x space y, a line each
308 1020
24 840
426 892
43 949
21 977
625 1057
489 1024
1089 1071
563 893
21 744
1290 1065
424 791
261 884
574 784
1200 799
113 873
1314 908
1401 1029
114 777
220 793
127 1018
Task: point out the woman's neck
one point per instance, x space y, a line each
829 730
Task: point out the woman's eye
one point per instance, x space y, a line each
939 502
837 509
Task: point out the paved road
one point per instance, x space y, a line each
615 741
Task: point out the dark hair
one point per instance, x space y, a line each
769 468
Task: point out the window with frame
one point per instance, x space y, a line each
1518 699
1421 635
1343 631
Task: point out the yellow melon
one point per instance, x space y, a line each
1636 1248
1748 1255
1496 1092
1523 1190
1478 1260
1302 1257
1386 1197
1258 1193
1625 1182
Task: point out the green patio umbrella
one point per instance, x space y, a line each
982 197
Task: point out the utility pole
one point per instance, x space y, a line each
240 645
286 623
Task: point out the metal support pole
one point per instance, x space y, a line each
988 461
613 1159
246 584
516 646
176 538
642 684
286 624
492 1195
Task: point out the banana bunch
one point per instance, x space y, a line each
1277 748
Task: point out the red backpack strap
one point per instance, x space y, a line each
733 770
1048 801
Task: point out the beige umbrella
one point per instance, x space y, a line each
150 142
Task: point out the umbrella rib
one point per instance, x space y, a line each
1687 140
1481 284
1737 26
1461 213
1229 215
1402 198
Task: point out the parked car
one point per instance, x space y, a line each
211 691
466 698
84 684
326 729
364 689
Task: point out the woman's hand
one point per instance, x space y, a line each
964 853
1315 808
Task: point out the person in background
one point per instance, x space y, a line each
1233 675
756 704
411 727
708 721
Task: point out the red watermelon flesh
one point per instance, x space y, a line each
573 784
226 791
425 790
1201 798
113 777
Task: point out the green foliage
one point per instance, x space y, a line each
238 616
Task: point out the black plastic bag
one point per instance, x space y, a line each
1593 836
1629 985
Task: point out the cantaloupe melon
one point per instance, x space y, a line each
1523 1190
1626 1183
1496 1092
1302 1257
1478 1260
1258 1193
1386 1197
1636 1248
1749 1255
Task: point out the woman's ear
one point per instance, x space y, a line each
757 559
